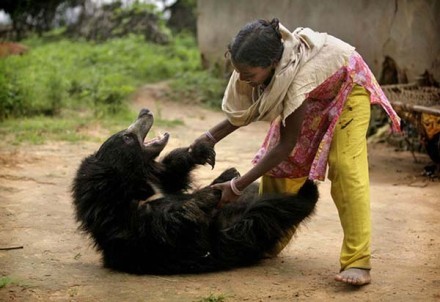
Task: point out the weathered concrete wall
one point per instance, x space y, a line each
406 30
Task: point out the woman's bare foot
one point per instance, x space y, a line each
354 276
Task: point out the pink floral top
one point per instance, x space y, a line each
325 103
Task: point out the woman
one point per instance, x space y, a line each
316 91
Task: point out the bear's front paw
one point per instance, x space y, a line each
203 153
227 175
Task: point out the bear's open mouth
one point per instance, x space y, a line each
159 140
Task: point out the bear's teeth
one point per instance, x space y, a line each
149 142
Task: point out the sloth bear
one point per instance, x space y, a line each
144 219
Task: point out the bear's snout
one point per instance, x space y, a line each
144 112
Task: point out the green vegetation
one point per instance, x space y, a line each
199 87
4 281
39 129
61 86
77 75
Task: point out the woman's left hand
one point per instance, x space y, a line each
227 194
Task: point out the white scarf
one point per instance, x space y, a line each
291 81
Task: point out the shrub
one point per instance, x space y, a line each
60 73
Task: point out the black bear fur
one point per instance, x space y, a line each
142 215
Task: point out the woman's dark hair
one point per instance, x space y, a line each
257 44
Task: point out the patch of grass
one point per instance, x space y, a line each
198 87
60 73
61 88
4 281
39 129
71 127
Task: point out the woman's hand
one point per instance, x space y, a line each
227 194
203 139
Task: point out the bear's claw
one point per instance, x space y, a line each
203 154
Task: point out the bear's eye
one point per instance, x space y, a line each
128 139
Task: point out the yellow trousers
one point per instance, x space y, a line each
350 186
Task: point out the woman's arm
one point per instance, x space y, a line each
288 138
218 132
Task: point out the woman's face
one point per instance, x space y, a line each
254 76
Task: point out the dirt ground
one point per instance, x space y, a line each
57 263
